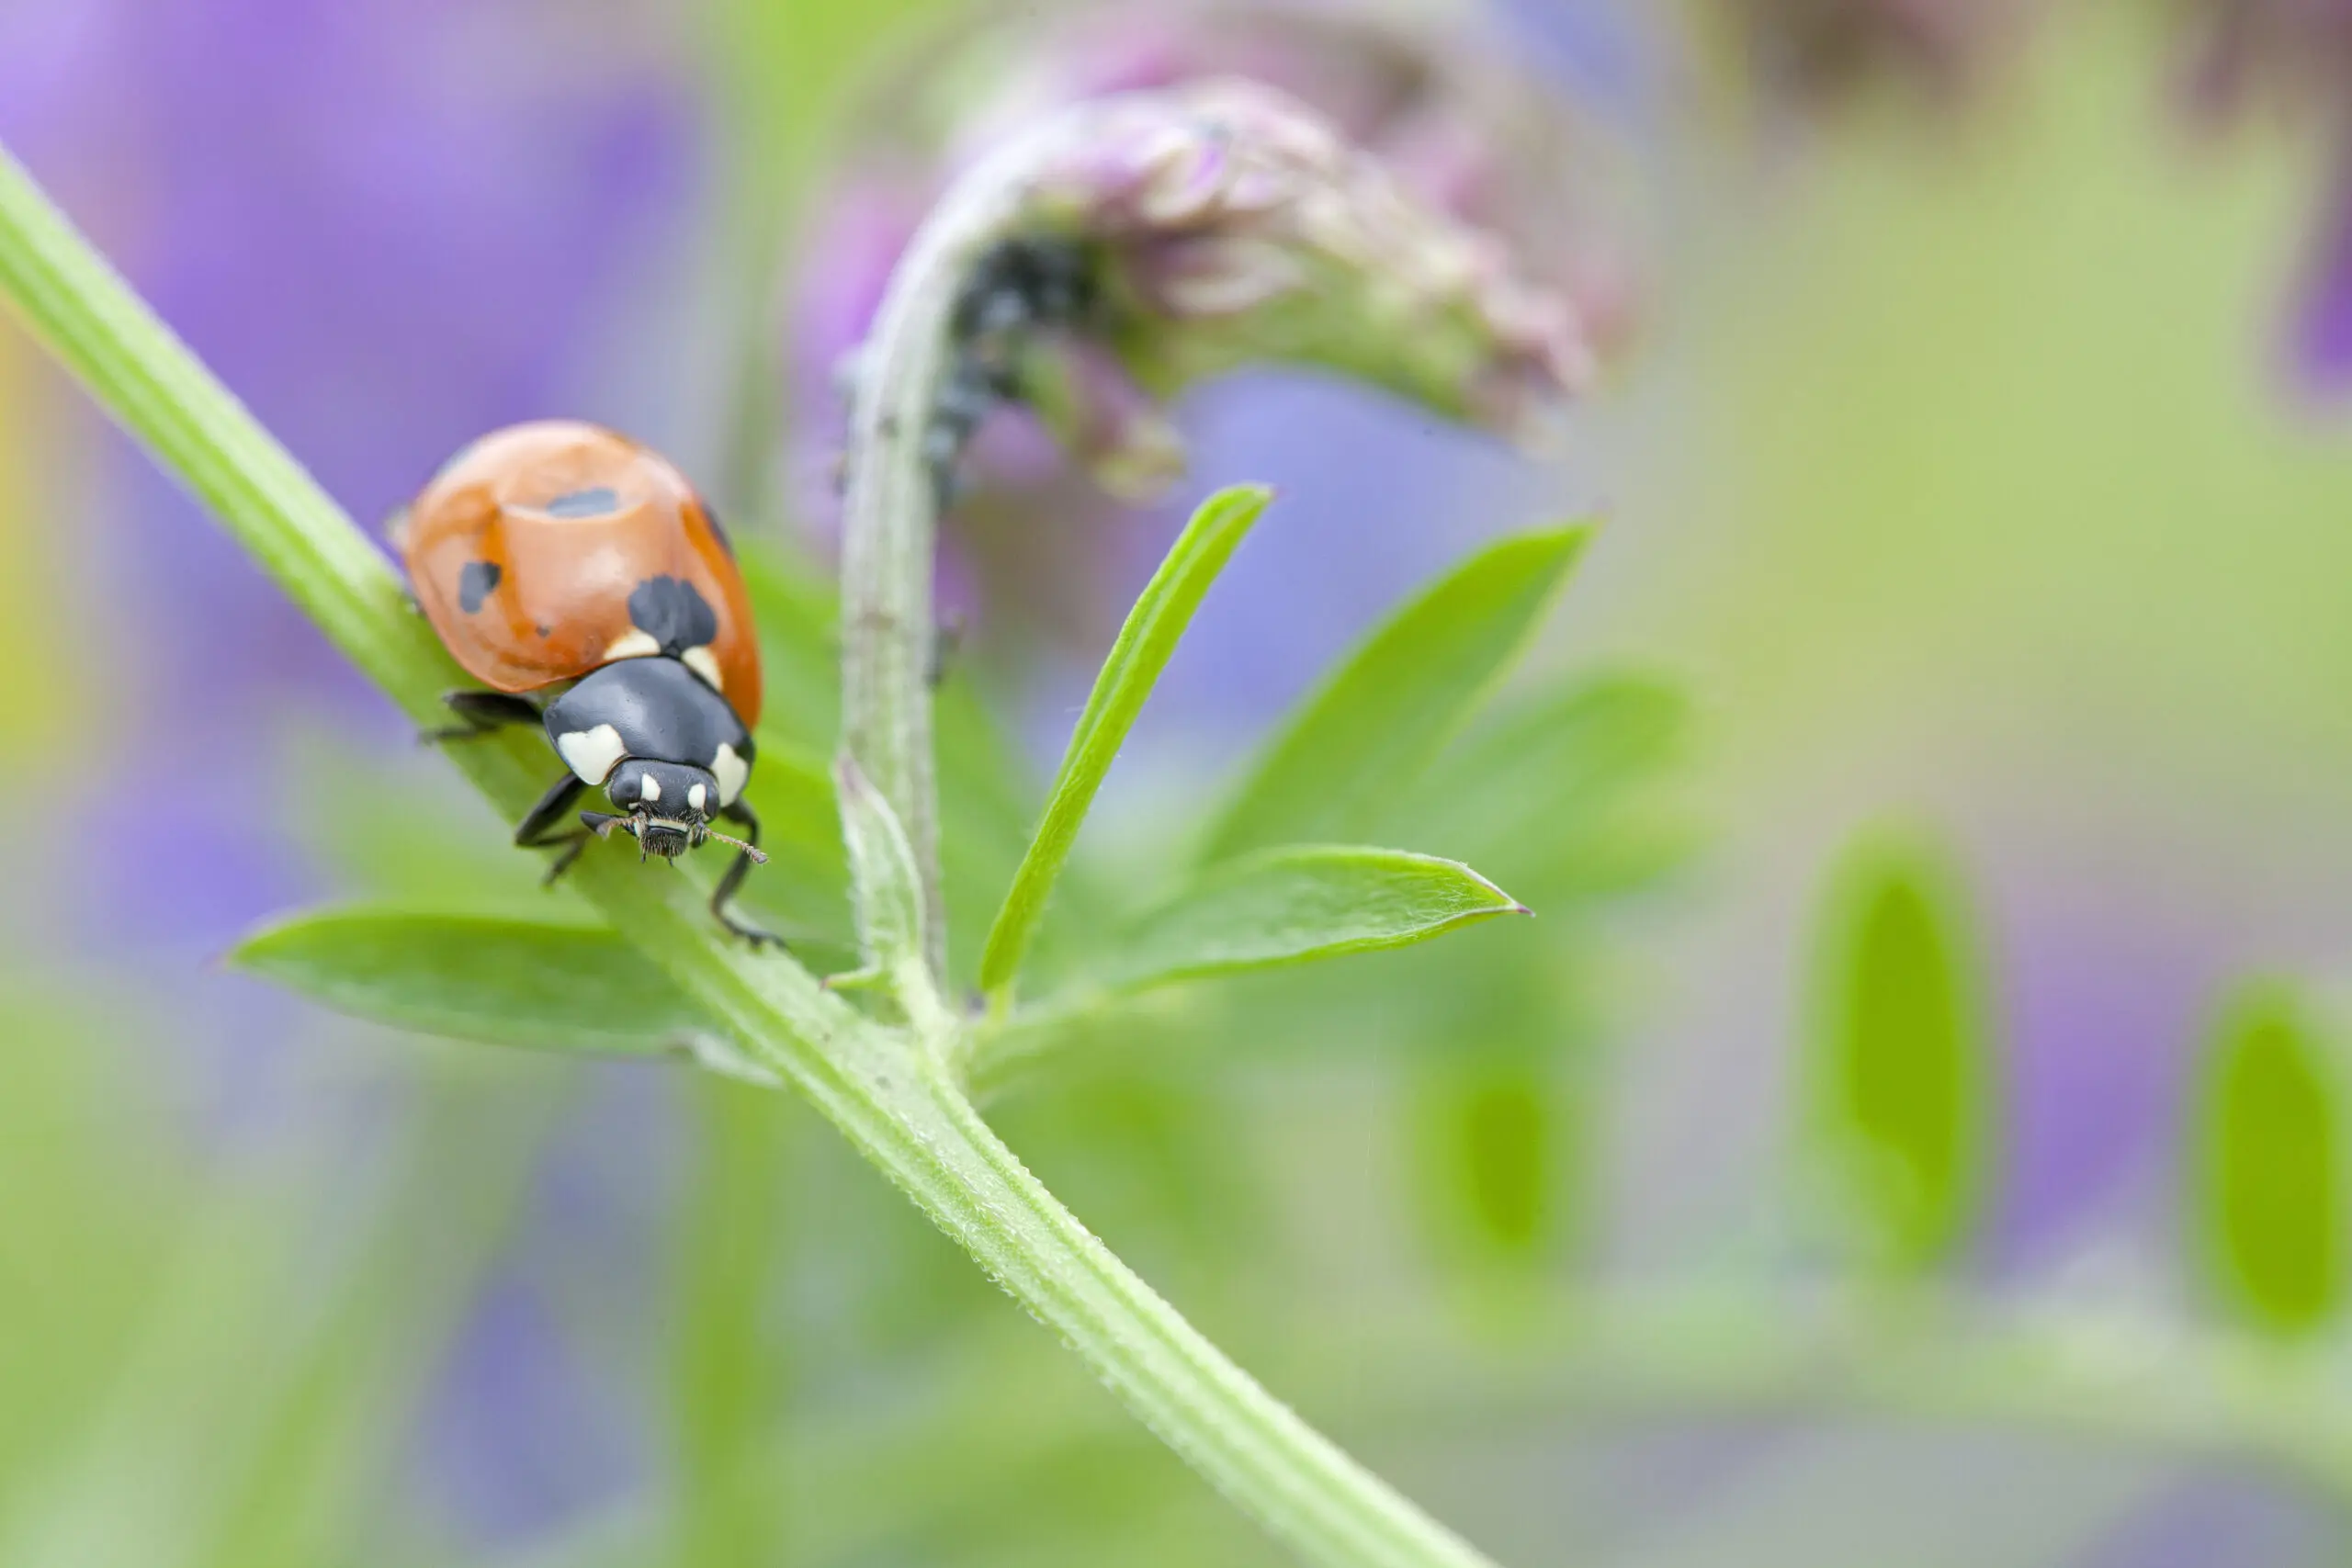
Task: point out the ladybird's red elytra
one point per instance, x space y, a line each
560 524
560 559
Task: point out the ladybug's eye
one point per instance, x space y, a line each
631 785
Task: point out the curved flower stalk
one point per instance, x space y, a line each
1443 104
1143 241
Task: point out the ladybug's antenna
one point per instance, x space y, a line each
751 851
602 823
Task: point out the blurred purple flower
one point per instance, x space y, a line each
520 1441
2321 347
2297 51
1820 52
388 224
2294 57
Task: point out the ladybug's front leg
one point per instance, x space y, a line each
482 713
743 815
538 829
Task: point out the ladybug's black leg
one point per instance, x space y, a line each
744 816
538 830
482 713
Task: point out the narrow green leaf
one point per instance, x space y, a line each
1363 738
2270 1169
503 982
1291 905
1902 1064
882 870
1128 674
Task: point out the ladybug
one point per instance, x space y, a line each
557 554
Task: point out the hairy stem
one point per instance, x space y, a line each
885 1089
890 509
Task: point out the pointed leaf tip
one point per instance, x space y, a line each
1297 904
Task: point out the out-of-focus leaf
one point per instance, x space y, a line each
2269 1171
1495 1137
503 982
1125 684
342 1379
1562 792
1291 905
1902 1063
804 889
1363 738
987 801
107 1190
725 1358
798 618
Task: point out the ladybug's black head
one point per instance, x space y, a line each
667 804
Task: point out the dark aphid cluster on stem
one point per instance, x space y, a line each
1021 288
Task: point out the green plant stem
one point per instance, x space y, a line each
887 1093
889 510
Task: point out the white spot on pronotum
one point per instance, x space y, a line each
696 795
592 753
730 771
632 643
649 788
703 663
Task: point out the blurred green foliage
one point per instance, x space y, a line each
2030 480
2268 1169
1391 704
1901 1059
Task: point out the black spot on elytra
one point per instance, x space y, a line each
598 501
545 631
674 613
476 583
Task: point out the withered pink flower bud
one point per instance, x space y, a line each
1227 223
1819 50
2294 53
2292 58
1444 104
